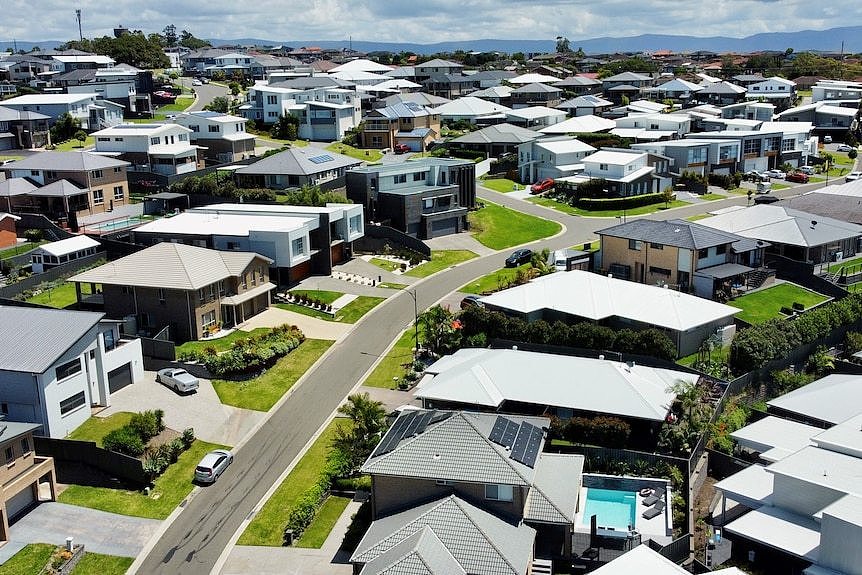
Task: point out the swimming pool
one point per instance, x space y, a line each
612 508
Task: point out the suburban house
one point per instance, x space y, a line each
80 61
221 137
687 255
829 119
653 126
626 172
536 94
198 60
580 124
434 67
790 233
495 140
93 112
840 202
551 157
421 98
535 117
163 149
797 144
297 167
625 83
425 198
586 105
776 90
533 78
498 94
8 233
721 94
449 85
193 291
835 90
701 156
676 89
757 150
823 403
408 124
300 240
472 109
52 254
762 111
24 130
583 296
579 85
66 183
56 364
266 104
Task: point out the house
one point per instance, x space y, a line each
533 78
536 94
266 104
835 90
696 258
297 167
535 117
774 438
79 61
190 290
677 89
23 68
791 233
24 130
497 94
746 80
625 84
409 124
823 403
585 106
66 183
828 119
757 150
52 254
580 125
8 233
222 137
551 157
24 472
626 172
490 78
93 112
776 90
579 85
449 85
472 109
495 140
701 156
579 295
300 240
721 94
840 202
760 111
164 149
420 98
367 79
653 126
197 61
427 456
797 144
56 364
425 198
642 559
435 67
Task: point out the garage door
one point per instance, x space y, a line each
19 503
444 227
119 378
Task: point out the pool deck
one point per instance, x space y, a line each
658 528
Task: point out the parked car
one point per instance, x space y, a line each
519 257
196 82
807 170
766 199
827 139
205 80
401 148
472 301
775 174
845 148
177 379
798 177
852 176
755 176
542 186
213 465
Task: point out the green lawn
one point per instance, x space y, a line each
29 561
170 489
712 197
697 217
499 227
323 522
21 249
848 263
500 185
440 260
61 296
261 393
74 145
573 211
348 314
387 265
15 158
391 367
97 564
179 105
493 280
391 285
777 186
220 343
359 154
323 295
95 428
267 527
764 305
268 138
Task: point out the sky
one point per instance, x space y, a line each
424 21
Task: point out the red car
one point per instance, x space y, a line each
797 177
542 186
401 148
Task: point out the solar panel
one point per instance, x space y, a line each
395 435
423 420
533 445
510 434
321 159
521 441
497 431
411 428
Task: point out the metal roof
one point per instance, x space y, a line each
299 161
469 106
59 189
16 187
69 245
579 124
775 436
536 88
498 134
679 233
65 162
32 339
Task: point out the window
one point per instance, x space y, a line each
72 403
101 139
702 253
354 223
161 295
272 114
118 170
233 245
659 271
722 249
244 281
4 408
603 167
96 174
155 141
183 137
118 139
34 173
418 176
272 99
751 147
444 482
25 445
656 246
98 197
214 128
297 246
68 369
428 203
195 128
400 179
634 245
118 192
499 492
10 455
108 338
788 145
208 319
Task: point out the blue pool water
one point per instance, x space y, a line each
612 508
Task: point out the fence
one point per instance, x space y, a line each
802 273
722 465
50 230
110 462
376 236
157 349
59 272
677 550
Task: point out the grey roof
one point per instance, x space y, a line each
403 110
450 79
577 81
623 88
16 187
420 554
10 430
847 208
679 233
59 189
32 339
76 75
536 88
586 101
299 161
172 266
749 78
11 115
308 82
66 162
420 98
627 77
554 496
834 398
493 75
439 63
498 134
722 88
480 542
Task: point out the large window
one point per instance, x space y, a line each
68 369
499 492
353 223
118 192
400 178
97 174
751 147
297 246
214 128
208 319
634 245
98 197
72 403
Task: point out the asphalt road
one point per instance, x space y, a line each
206 94
193 543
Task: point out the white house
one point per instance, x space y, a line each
663 125
580 124
160 148
774 88
627 173
53 254
67 63
472 109
56 364
535 117
834 90
553 157
93 112
266 103
221 136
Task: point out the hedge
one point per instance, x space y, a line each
596 204
602 430
303 511
132 438
250 354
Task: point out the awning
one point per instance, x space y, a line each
752 486
724 271
249 294
780 529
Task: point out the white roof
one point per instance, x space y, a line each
489 377
678 85
614 158
844 437
645 106
589 123
359 75
834 398
262 86
787 127
642 133
565 146
592 296
775 438
534 112
641 559
45 99
68 246
534 79
469 106
98 59
142 130
826 109
396 84
361 65
829 469
848 508
780 529
752 486
191 223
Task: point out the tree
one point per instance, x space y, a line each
188 40
367 423
563 45
668 196
285 128
64 128
81 136
852 154
170 35
441 333
219 104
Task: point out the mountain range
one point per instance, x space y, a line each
821 40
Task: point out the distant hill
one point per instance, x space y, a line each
27 46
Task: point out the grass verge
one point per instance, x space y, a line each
59 297
440 260
74 145
501 185
348 314
387 265
261 393
766 304
28 561
493 280
359 154
95 428
391 367
573 211
499 227
325 296
391 285
98 564
321 526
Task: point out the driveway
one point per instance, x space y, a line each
201 410
99 531
312 327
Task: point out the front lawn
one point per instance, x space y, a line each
267 527
387 265
321 526
170 489
698 217
499 227
325 296
766 304
440 260
712 197
95 428
502 185
261 393
390 370
391 285
348 314
60 297
179 105
359 154
493 280
638 211
220 343
850 263
29 561
74 145
98 564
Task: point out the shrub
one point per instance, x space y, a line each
188 437
124 440
722 180
33 235
147 424
602 430
627 203
253 354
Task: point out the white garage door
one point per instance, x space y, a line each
19 503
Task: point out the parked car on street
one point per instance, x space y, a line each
196 82
797 177
775 174
519 257
177 379
213 465
472 301
542 186
845 148
852 176
755 176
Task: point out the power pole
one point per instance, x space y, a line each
80 32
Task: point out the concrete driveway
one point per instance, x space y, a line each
201 410
99 531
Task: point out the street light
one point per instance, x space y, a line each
415 320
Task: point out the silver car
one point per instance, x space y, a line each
213 465
177 379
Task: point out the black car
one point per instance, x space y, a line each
472 301
518 257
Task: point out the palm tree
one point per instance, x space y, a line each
368 421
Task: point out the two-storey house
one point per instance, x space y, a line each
409 124
626 172
434 67
297 167
551 157
159 148
93 112
23 129
536 94
222 137
776 90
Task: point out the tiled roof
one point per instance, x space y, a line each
679 233
553 499
420 554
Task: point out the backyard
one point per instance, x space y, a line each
766 304
74 145
499 227
391 369
60 296
573 211
359 154
20 249
32 559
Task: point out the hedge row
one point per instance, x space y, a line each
303 511
250 354
627 203
602 430
132 438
